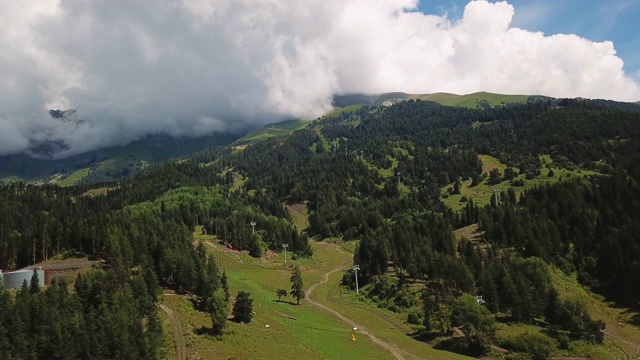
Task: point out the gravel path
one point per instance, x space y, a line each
181 349
362 330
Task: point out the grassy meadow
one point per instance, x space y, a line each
295 331
274 130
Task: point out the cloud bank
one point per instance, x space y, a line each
189 67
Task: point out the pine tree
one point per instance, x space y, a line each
296 285
243 307
218 310
34 286
225 285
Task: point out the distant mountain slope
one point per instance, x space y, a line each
274 130
107 163
474 100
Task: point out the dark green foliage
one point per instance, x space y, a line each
34 285
225 285
297 290
475 321
255 249
588 225
280 293
494 177
538 346
218 310
243 308
413 318
430 308
572 316
98 320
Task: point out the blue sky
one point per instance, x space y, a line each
596 20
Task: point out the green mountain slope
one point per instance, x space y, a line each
475 100
472 100
273 130
107 163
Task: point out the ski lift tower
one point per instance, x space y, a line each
356 268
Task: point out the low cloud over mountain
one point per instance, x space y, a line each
185 67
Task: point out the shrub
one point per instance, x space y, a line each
539 346
564 342
413 318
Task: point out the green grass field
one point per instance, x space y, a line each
74 177
471 100
468 100
339 110
274 130
313 334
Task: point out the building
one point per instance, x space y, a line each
14 279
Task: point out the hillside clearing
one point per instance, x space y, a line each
481 194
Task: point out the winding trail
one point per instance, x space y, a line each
325 279
181 349
633 345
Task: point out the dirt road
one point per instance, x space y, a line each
325 279
181 349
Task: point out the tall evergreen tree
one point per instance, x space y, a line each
297 290
243 307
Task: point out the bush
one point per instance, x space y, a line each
564 342
539 346
413 318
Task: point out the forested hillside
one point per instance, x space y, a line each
374 175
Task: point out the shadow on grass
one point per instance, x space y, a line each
203 330
287 302
208 332
195 302
424 336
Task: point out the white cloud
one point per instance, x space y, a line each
189 66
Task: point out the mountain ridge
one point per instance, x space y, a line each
107 163
118 161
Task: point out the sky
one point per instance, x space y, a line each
192 67
596 20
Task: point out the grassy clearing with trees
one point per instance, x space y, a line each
481 194
313 334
